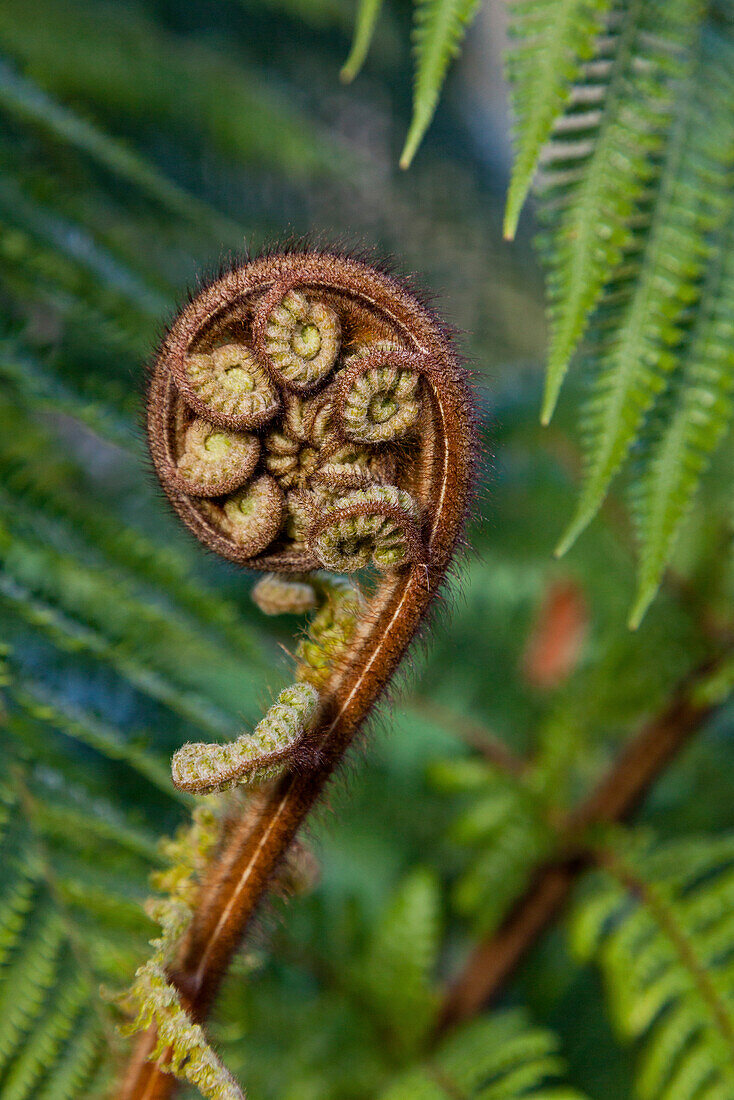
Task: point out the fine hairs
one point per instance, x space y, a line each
308 419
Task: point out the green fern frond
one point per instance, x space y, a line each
499 1057
550 40
602 159
504 831
73 519
368 13
54 1037
38 385
701 414
38 703
660 925
164 80
22 99
86 608
439 27
396 975
650 302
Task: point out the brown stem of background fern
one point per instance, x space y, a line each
493 962
238 879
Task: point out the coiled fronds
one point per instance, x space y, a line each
376 525
272 412
299 337
379 396
228 386
345 430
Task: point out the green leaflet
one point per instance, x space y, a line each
701 414
21 98
659 924
396 974
439 27
368 13
504 831
550 40
74 53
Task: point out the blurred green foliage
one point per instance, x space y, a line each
141 142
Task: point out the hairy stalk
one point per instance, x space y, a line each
365 492
617 796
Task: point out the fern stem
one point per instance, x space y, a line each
616 797
237 880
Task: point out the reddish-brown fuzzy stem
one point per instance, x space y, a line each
238 879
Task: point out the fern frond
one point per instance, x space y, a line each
368 13
39 703
21 98
633 358
54 1037
396 975
71 518
120 291
601 161
660 925
701 414
439 27
498 1057
550 40
35 383
505 832
86 609
165 80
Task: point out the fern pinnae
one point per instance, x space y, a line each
660 926
21 98
550 40
439 27
632 362
595 226
368 12
496 1057
702 398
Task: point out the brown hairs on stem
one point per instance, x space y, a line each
306 411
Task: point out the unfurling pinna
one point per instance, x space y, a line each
307 418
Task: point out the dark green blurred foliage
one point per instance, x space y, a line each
141 142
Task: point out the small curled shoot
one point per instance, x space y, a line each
299 337
378 525
275 594
213 461
331 630
253 515
228 387
251 759
380 396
